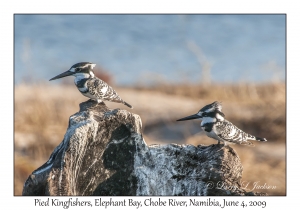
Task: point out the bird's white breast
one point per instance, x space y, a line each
87 94
83 89
213 135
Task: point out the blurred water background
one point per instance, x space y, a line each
140 49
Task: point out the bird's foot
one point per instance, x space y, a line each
115 111
221 146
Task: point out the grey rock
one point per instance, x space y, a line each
103 153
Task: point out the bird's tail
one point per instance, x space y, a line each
260 139
127 104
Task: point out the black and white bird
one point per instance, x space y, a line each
217 127
91 86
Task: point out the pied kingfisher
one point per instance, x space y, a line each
217 127
91 86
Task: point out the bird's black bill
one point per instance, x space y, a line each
195 116
65 74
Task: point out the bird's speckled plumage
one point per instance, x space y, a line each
98 89
227 132
90 85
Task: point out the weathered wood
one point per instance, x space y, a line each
103 153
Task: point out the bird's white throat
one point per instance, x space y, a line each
80 76
206 120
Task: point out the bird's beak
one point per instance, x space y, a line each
65 74
195 116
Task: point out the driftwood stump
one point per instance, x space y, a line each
103 153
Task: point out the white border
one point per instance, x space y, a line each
8 8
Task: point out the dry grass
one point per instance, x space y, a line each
249 93
42 113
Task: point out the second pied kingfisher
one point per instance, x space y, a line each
91 86
217 127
